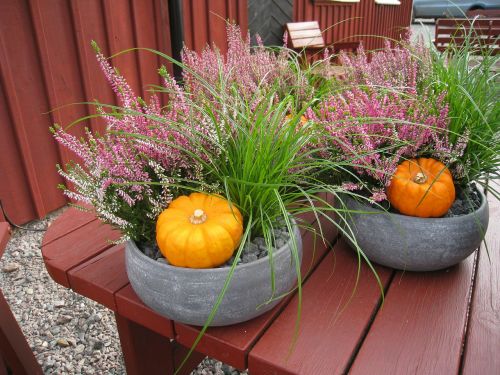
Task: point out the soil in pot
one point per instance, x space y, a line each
254 250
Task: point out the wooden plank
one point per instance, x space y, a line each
69 220
144 351
483 339
305 34
192 362
13 345
335 315
232 344
3 366
88 19
420 328
75 248
26 97
145 37
4 236
14 349
131 307
101 277
458 22
120 33
308 42
296 26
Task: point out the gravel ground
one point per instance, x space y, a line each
68 333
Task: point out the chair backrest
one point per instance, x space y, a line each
304 35
16 356
483 33
490 13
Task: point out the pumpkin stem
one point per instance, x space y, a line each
198 217
420 178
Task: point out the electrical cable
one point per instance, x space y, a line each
18 226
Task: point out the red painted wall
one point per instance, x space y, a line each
364 21
46 62
205 21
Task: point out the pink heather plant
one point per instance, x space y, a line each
399 68
131 173
385 118
244 71
121 174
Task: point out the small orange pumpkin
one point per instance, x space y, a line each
421 187
199 231
303 119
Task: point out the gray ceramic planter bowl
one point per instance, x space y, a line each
187 295
417 244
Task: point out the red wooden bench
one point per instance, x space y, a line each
484 33
445 322
16 357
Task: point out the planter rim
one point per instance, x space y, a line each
217 269
427 219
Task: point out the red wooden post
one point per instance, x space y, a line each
144 351
14 350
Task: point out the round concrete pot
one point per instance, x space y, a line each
188 295
413 243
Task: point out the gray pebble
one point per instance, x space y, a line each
63 343
10 267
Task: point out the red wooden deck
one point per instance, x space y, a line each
445 322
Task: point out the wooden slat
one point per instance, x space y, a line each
4 236
75 248
3 366
120 33
13 345
483 339
28 107
232 344
88 19
473 32
14 349
67 222
308 42
335 314
101 277
296 26
479 22
131 307
305 34
420 328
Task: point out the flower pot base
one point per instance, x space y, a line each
188 295
416 244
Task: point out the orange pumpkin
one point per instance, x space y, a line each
199 231
422 187
303 119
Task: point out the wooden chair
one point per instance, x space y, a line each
484 33
16 357
307 38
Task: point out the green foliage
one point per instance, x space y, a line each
473 93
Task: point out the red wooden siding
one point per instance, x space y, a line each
205 21
46 62
341 22
366 21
